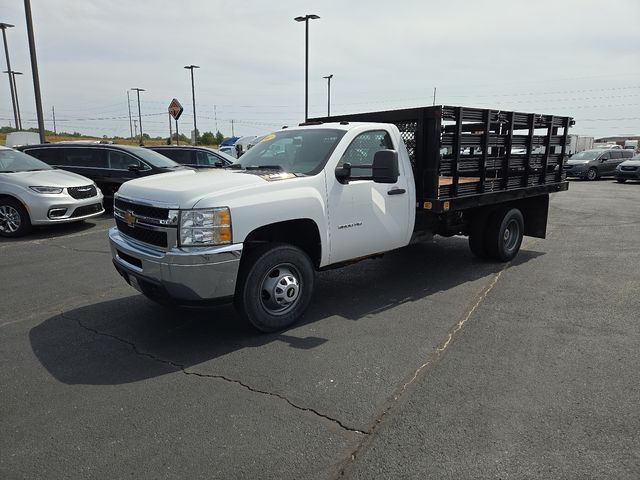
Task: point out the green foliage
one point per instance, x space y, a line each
219 138
208 138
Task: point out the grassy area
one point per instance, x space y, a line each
119 141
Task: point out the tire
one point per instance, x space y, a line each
621 180
504 234
275 286
591 175
14 218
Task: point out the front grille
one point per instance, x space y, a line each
152 237
79 193
142 210
86 210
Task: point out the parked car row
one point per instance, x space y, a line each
597 163
33 193
67 182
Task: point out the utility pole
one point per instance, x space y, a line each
34 69
193 96
135 126
3 27
215 118
170 130
53 112
129 106
233 132
434 95
306 19
138 90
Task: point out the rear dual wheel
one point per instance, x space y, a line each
499 237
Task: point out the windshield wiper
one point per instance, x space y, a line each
264 167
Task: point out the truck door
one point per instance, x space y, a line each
366 217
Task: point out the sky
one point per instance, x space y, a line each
564 57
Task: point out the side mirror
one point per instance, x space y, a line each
344 172
134 167
385 166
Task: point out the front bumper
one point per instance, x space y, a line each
183 276
39 207
578 171
628 174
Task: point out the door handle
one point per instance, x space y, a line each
396 191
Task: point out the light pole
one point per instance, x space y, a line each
13 74
3 27
193 96
306 19
34 69
329 77
138 90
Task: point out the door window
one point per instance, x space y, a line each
201 158
362 150
121 160
50 156
616 154
213 159
85 158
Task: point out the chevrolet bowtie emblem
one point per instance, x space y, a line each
130 218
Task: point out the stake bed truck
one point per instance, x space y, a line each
333 191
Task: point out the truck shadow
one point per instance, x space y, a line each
131 339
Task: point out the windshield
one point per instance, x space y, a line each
154 158
14 161
586 155
635 157
295 151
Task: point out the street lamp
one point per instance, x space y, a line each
193 96
138 90
13 74
3 27
329 77
306 19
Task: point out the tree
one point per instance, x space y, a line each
219 138
208 138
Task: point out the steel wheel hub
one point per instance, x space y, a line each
9 219
511 233
280 289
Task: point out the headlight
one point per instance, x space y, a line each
47 189
204 227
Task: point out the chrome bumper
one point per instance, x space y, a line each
183 275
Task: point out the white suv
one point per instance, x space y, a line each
33 193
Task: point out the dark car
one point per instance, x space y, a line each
194 156
106 164
593 164
629 170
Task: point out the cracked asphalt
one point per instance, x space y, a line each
427 363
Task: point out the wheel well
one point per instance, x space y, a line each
303 233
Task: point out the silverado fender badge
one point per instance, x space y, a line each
130 218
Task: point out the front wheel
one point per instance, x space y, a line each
14 218
621 180
274 287
592 174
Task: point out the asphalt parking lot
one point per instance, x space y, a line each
427 363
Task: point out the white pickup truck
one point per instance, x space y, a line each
326 194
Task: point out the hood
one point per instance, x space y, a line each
47 178
185 188
631 163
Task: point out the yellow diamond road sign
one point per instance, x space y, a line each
175 109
